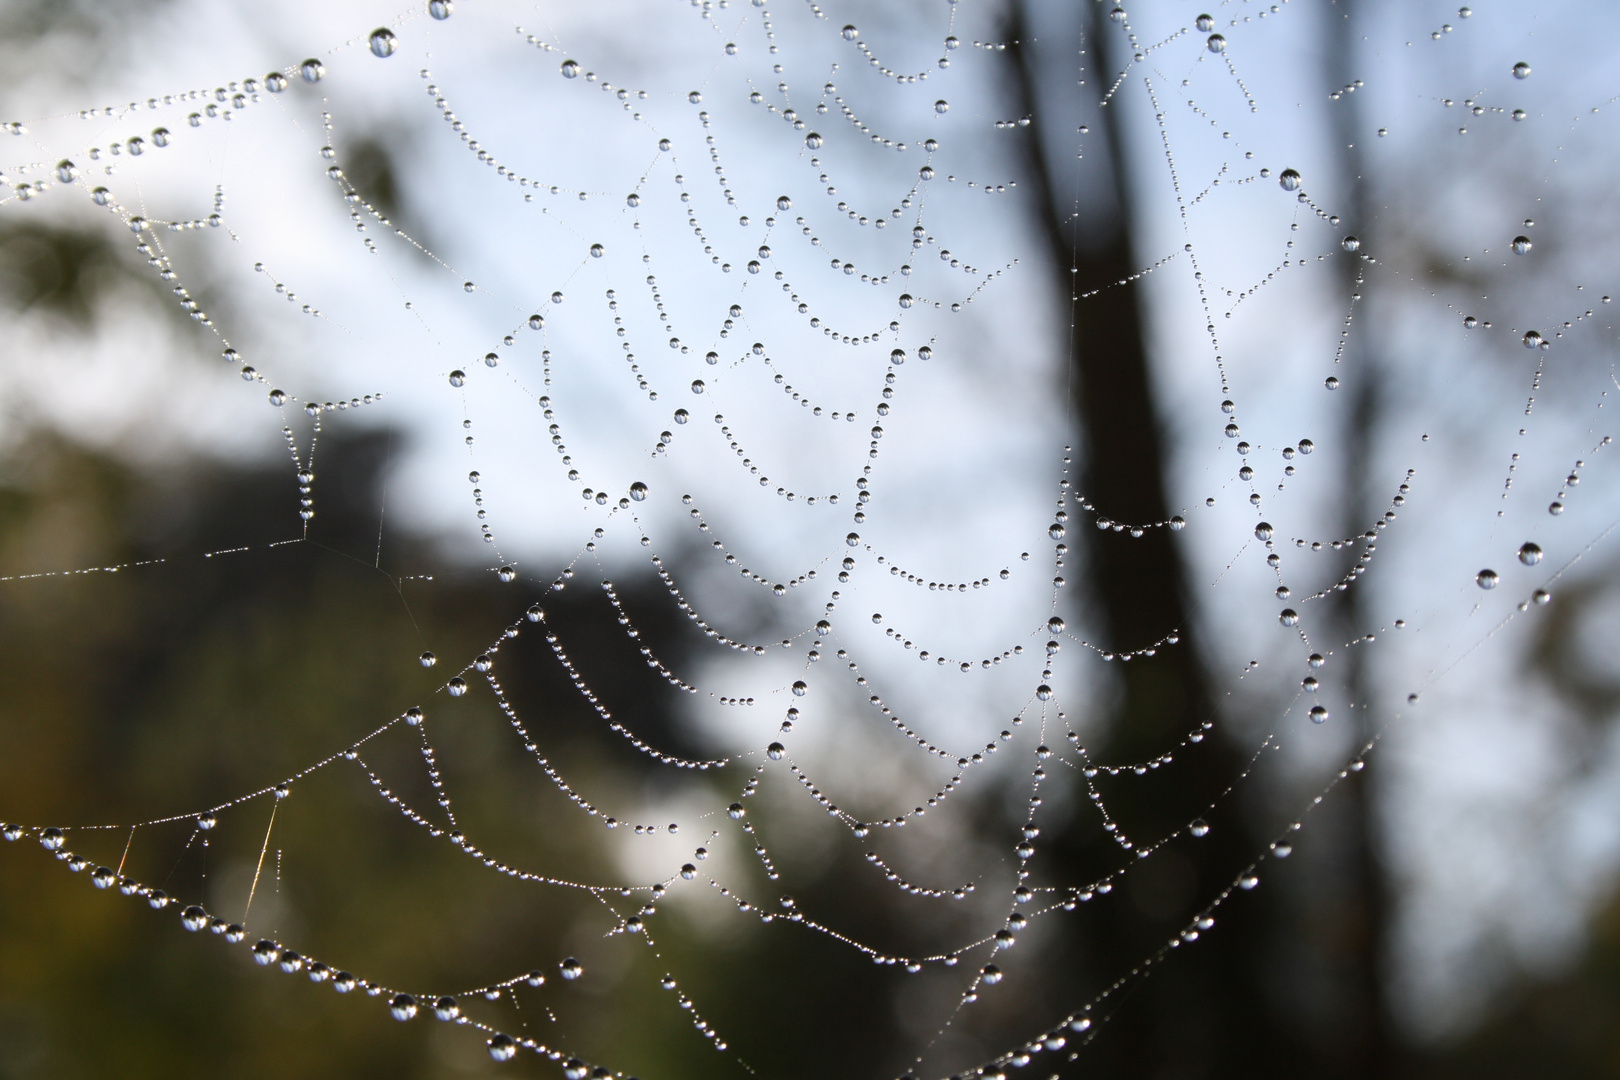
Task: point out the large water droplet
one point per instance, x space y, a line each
1289 180
440 9
1530 554
383 42
1521 245
1487 579
1521 70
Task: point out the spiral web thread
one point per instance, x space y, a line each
1040 730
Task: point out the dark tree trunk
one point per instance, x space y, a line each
1202 1011
1366 1044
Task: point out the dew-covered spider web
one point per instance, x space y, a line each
728 343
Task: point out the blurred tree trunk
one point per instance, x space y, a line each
1366 1043
1202 1013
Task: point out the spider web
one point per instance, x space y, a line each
741 318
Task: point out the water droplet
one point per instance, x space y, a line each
458 378
697 386
775 751
1289 180
383 42
783 203
800 688
52 839
990 974
457 686
1054 625
597 251
1205 23
812 141
942 106
502 1048
571 969
440 9
1521 70
1521 245
850 33
1530 554
275 82
100 196
312 70
1288 617
491 359
1487 579
638 491
557 297
570 69
1216 43
66 171
1319 714
735 811
1350 243
446 1009
1043 692
1263 531
403 1006
1199 827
